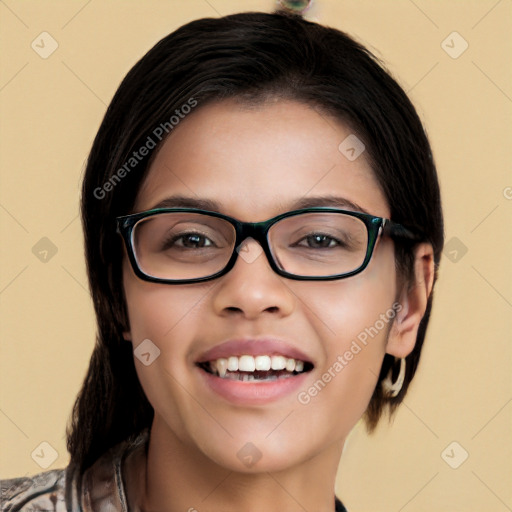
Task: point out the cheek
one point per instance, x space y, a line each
167 316
156 311
354 347
344 309
163 315
353 317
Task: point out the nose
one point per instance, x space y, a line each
251 288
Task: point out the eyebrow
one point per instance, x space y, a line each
329 200
180 201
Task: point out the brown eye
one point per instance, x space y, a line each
188 241
318 241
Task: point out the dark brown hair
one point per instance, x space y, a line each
253 57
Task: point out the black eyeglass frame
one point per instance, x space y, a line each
259 231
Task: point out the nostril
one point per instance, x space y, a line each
233 309
242 311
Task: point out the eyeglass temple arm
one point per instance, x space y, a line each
396 230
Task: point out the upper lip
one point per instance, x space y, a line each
253 347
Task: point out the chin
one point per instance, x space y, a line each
258 456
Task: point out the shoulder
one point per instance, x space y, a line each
41 492
100 487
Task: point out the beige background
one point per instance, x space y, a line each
50 110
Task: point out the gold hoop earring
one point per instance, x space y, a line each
391 389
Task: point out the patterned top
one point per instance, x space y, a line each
102 489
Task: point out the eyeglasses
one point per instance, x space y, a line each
189 245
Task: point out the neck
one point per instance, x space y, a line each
178 477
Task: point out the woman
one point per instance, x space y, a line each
263 229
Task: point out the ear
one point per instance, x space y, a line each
127 335
413 301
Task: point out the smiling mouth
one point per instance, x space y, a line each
248 368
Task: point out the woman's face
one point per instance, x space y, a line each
253 164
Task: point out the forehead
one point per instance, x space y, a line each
255 162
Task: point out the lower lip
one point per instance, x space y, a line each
253 393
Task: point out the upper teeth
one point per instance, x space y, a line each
255 363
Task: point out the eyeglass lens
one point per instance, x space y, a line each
183 245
